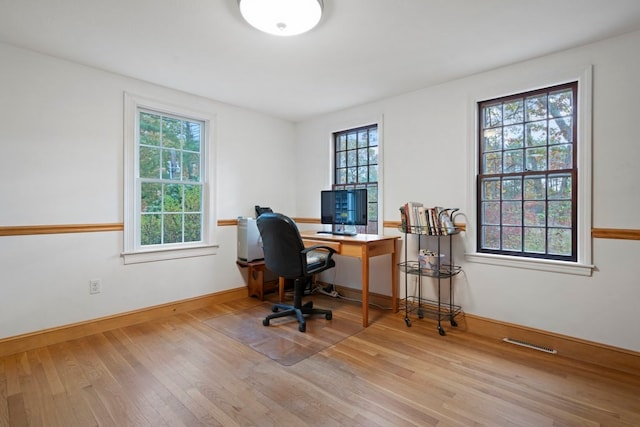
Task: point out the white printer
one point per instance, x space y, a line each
249 241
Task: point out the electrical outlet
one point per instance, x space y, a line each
95 286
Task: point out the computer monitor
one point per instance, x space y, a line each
343 207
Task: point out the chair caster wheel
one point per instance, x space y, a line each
441 331
302 327
454 323
265 322
407 321
328 316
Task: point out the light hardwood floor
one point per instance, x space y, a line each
178 371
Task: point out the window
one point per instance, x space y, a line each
356 167
169 165
168 196
527 186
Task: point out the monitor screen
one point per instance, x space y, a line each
346 207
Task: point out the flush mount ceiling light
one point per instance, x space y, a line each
281 17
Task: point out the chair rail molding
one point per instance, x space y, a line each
26 230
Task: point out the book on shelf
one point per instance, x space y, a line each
403 219
433 217
424 221
418 219
411 210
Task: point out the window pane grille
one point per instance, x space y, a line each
356 167
526 186
171 186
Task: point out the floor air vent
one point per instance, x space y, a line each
529 345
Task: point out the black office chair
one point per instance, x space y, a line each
262 209
286 256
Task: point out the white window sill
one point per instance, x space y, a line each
531 263
168 253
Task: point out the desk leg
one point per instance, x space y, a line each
281 289
365 285
394 280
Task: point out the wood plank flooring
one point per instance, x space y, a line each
178 371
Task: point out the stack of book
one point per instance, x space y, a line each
418 219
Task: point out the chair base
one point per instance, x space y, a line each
297 309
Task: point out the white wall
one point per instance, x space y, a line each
61 130
61 142
426 139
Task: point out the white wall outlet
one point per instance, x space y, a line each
95 286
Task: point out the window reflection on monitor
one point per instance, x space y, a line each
343 207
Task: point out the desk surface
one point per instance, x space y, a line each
360 238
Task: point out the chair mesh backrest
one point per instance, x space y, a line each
282 245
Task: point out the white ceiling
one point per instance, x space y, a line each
362 50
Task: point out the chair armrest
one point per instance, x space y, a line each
322 262
315 247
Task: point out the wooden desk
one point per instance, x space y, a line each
364 247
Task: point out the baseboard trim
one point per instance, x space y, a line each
375 299
29 341
572 348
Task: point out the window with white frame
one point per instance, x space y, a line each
530 169
167 182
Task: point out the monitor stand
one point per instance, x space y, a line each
341 231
